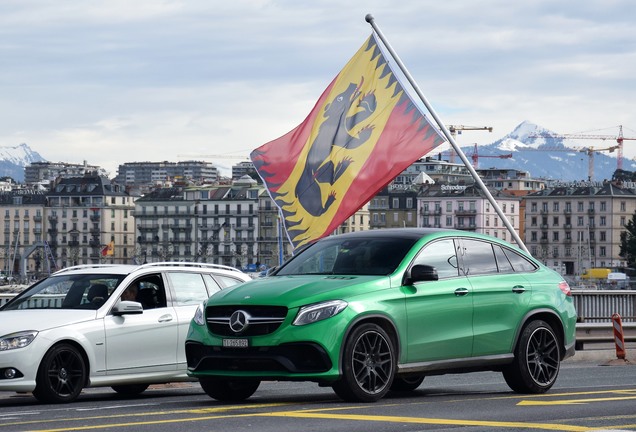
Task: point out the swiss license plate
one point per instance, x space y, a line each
235 343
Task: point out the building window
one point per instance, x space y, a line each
603 206
623 208
555 206
533 207
555 236
602 222
396 203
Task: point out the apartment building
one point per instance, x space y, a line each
86 214
575 226
22 219
466 207
145 176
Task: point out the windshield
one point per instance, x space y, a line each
365 256
79 291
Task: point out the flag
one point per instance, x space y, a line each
109 249
363 132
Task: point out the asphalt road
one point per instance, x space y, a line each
592 393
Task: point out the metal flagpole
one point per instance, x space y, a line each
369 18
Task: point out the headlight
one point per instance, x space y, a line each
199 315
17 340
319 311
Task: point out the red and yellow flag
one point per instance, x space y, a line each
109 249
363 132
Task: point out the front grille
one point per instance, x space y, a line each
263 320
293 358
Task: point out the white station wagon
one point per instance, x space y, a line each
73 329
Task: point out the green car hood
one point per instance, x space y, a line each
293 291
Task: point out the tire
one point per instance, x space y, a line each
61 375
406 384
229 390
537 360
130 389
368 365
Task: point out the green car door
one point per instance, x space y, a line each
439 313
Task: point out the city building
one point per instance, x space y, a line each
45 173
89 220
359 221
394 207
577 226
242 169
22 219
440 171
466 207
145 176
235 225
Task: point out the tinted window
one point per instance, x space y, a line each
519 262
441 255
361 256
479 257
502 261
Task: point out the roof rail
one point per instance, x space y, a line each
188 264
85 266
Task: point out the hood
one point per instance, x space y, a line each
293 291
13 321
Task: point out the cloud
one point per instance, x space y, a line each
121 82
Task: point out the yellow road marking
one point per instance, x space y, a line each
431 421
329 414
573 401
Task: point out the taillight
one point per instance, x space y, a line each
563 286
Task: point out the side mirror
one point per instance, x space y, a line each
420 273
126 307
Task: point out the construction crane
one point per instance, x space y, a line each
475 157
455 129
589 151
619 140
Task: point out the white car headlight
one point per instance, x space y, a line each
17 340
319 311
199 317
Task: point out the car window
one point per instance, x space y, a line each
365 256
80 291
519 262
502 261
478 257
227 281
188 288
151 292
441 255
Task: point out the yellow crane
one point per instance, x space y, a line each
455 129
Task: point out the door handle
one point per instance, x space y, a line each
519 289
459 292
165 318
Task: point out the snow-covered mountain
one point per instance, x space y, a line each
544 154
14 159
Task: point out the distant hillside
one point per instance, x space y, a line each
14 159
536 150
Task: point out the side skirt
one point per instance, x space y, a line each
460 365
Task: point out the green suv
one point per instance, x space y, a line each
374 311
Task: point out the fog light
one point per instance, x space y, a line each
10 373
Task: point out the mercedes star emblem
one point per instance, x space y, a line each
239 321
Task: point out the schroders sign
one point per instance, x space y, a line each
454 187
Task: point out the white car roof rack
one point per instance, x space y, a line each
85 266
189 264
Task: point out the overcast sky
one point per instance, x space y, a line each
151 80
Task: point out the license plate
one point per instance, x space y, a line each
235 343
